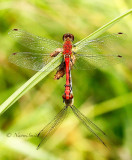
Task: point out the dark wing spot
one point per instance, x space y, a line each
119 56
120 33
15 29
14 53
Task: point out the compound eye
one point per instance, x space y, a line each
63 37
68 35
72 37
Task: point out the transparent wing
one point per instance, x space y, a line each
107 41
101 52
48 130
93 61
33 42
34 61
88 124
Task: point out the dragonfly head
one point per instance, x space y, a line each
68 35
69 101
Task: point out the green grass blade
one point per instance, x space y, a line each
30 83
101 30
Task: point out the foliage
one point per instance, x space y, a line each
103 94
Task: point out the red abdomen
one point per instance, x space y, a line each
67 51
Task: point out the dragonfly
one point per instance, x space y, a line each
85 54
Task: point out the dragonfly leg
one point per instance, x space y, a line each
60 72
56 52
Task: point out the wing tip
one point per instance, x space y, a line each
14 53
120 33
12 30
15 29
119 56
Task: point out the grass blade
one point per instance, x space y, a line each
101 30
30 83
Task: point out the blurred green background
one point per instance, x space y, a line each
105 96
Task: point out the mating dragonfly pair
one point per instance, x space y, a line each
81 55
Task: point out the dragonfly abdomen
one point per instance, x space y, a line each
67 51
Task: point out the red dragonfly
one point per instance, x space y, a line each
79 55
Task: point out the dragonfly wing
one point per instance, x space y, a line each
33 42
93 61
34 61
106 41
99 53
50 128
88 124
